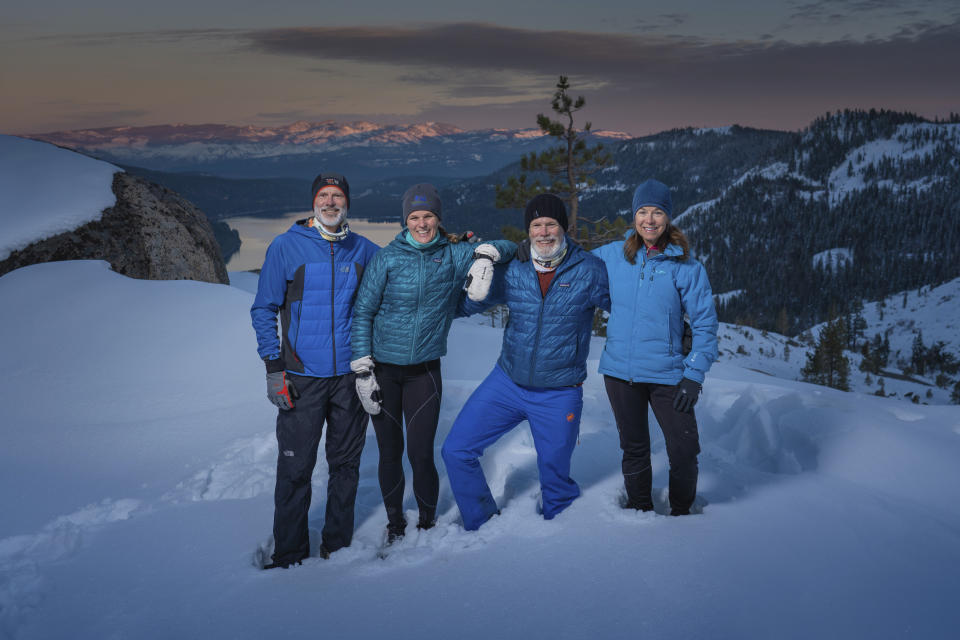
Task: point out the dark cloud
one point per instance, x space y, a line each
918 53
662 22
831 10
666 81
461 46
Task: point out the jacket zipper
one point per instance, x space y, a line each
416 315
543 299
333 315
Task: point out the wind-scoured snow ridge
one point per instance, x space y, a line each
46 190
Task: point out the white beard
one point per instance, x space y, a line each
332 217
557 248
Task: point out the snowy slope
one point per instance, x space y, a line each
46 190
905 144
933 311
137 475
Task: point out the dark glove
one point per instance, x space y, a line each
523 251
688 392
280 390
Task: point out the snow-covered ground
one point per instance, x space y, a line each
46 190
136 479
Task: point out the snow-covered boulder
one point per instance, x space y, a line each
59 205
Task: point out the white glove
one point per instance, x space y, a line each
362 365
368 390
487 250
481 272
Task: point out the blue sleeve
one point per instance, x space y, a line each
506 248
271 293
696 296
601 293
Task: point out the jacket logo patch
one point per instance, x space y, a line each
345 268
563 284
419 199
437 260
570 417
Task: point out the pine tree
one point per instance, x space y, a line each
918 353
569 166
827 364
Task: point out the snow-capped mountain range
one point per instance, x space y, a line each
295 150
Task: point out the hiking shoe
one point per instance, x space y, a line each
638 506
281 565
395 532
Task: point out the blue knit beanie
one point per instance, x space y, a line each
653 193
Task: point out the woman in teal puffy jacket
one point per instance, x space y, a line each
653 283
405 305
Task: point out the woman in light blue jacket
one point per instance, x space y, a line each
406 302
653 283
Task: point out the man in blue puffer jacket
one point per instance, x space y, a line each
310 276
552 290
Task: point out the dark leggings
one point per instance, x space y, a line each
629 403
411 395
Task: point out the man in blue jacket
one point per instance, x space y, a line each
552 290
310 276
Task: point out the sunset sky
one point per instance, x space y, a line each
643 66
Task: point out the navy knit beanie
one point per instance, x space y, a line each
545 205
330 180
420 197
653 193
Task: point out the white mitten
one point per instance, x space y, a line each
481 272
368 390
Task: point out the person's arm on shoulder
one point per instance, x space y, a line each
496 295
601 290
485 257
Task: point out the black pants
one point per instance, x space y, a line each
411 395
334 401
629 403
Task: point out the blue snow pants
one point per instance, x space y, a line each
497 406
